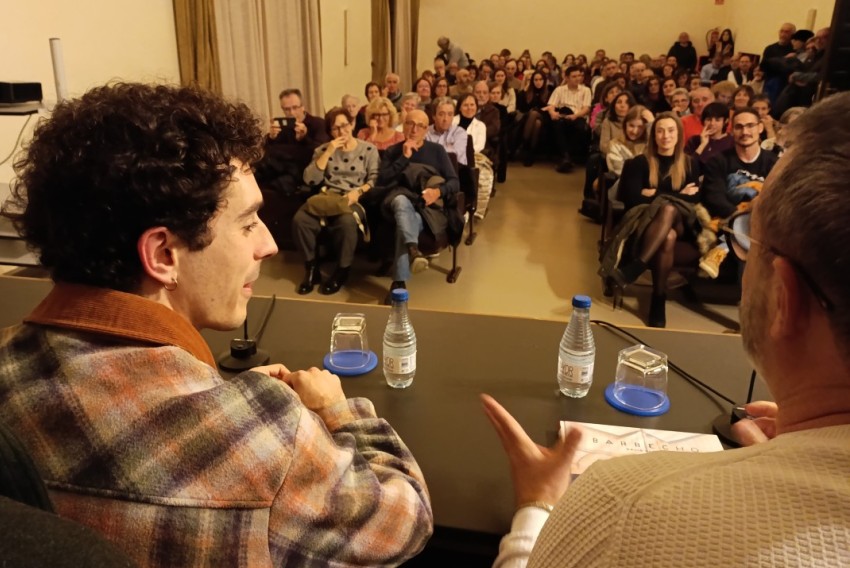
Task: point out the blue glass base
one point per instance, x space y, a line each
636 400
349 363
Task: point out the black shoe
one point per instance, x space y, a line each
388 300
336 281
564 167
527 158
418 262
313 277
629 272
657 312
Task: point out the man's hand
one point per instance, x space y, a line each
410 146
430 195
300 131
275 371
553 114
648 192
690 189
317 389
570 117
761 428
538 473
274 129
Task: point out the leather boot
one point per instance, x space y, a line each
312 278
657 311
336 281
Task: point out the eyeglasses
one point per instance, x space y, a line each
340 127
381 115
742 242
413 125
290 108
747 126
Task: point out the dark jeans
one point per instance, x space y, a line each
571 137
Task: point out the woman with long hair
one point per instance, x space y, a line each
653 98
663 170
531 102
441 88
612 126
606 97
423 88
500 77
632 142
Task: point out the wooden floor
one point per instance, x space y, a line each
533 253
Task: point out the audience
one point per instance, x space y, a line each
466 119
446 133
612 125
568 107
150 238
684 52
773 62
653 98
777 143
743 75
463 84
392 89
409 101
533 102
452 54
344 169
714 138
600 110
632 141
692 123
423 89
508 99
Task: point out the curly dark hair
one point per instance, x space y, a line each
119 160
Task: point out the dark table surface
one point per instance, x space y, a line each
460 356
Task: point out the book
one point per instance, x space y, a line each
603 441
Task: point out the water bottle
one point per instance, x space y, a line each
577 351
399 344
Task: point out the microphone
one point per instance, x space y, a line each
722 425
243 353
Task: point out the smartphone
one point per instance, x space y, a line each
284 122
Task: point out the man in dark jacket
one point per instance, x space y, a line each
772 62
686 55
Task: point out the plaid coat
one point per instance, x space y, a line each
137 436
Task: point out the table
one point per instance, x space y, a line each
460 356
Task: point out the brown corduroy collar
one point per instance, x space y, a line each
110 312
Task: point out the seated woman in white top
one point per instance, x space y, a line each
465 118
632 142
508 94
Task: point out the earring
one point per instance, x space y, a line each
173 284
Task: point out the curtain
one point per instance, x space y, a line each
267 46
403 63
381 53
197 45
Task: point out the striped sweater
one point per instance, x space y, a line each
137 436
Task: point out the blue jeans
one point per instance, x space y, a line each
408 225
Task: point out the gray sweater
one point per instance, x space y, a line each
345 170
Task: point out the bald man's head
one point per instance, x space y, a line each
415 125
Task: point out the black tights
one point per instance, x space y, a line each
658 246
531 132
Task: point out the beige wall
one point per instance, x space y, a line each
339 78
102 40
755 23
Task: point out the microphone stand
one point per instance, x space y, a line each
722 425
244 354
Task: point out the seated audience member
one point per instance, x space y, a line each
653 98
569 109
409 102
330 171
372 91
485 71
773 61
693 122
661 187
777 144
685 53
289 150
439 67
667 88
514 74
743 75
489 115
508 99
532 102
714 138
428 75
802 84
441 88
725 43
432 186
680 102
141 203
723 92
381 117
451 73
423 88
473 73
757 84
447 134
600 110
667 71
612 126
742 97
734 178
762 105
609 69
797 449
352 105
632 142
672 61
392 89
463 84
694 82
466 119
683 78
637 79
710 71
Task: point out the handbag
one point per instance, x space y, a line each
330 204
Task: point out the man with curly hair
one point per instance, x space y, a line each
140 201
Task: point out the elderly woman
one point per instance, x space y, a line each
409 102
344 167
465 118
423 88
382 118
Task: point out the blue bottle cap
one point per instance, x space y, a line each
581 301
400 295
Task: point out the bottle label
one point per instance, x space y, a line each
402 365
579 374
